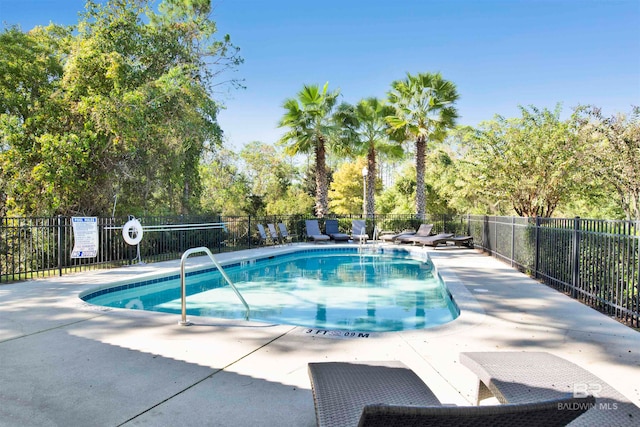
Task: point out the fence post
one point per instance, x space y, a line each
536 257
513 240
636 316
575 276
60 245
495 236
485 232
249 231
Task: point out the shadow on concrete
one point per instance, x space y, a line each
58 378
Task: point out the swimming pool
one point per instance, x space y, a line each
331 288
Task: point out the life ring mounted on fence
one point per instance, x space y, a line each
132 232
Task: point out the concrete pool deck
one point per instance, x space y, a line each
66 363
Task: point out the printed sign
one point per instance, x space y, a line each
85 237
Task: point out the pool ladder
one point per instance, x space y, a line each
184 321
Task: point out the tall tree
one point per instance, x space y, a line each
134 111
367 133
613 146
268 170
424 110
345 191
399 198
31 67
311 128
531 162
225 187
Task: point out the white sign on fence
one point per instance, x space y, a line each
85 237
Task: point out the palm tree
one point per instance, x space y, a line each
311 128
367 134
424 110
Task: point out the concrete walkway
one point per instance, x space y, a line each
66 363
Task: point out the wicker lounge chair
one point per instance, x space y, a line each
313 231
331 227
359 231
522 377
388 394
549 413
423 231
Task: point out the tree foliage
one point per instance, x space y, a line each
530 162
613 147
346 193
310 129
400 197
424 110
120 108
31 115
225 187
366 132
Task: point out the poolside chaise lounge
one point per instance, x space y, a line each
523 377
429 240
391 236
263 235
466 241
331 228
388 394
313 231
273 233
445 239
359 231
285 234
423 231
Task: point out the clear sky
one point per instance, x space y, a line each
499 53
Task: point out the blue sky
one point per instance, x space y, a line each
500 54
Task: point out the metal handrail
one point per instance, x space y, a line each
184 321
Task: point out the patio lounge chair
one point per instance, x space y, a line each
522 377
263 235
423 231
273 233
429 240
313 231
390 394
466 241
359 231
284 233
331 227
391 236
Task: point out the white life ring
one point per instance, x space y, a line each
132 232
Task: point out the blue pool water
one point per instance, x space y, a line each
324 289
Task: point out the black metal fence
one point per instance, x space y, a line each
40 247
595 261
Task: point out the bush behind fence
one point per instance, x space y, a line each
595 261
